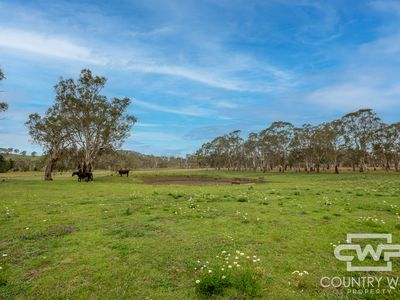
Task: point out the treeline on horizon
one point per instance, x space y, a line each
359 140
20 161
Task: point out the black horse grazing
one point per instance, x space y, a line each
123 171
87 176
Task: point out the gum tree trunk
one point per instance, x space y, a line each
49 168
336 169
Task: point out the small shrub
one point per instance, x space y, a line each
3 281
298 279
128 212
175 195
243 199
213 284
234 276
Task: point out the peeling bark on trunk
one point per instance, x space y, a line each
87 166
49 168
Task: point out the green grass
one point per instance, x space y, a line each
116 238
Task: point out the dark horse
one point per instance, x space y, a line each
87 176
123 171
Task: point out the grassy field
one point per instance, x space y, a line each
117 238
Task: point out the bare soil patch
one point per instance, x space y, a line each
189 180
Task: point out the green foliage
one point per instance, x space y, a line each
243 199
359 139
3 106
231 276
5 164
95 123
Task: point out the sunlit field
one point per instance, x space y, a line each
117 237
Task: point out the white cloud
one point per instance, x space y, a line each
355 95
388 45
219 68
387 6
226 104
46 45
190 73
139 124
194 111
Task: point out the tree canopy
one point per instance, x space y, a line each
358 139
81 120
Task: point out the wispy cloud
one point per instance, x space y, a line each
189 73
387 6
65 48
383 47
139 124
355 95
193 111
42 44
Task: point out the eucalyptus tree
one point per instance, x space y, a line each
279 136
52 132
251 151
266 153
3 105
395 129
219 152
301 147
361 129
334 132
96 123
202 155
322 145
387 146
234 149
356 139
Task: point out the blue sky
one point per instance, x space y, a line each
198 69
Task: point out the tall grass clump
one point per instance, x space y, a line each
231 275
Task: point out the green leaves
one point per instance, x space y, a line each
82 118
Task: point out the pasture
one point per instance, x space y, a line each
118 237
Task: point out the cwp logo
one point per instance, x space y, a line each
356 253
